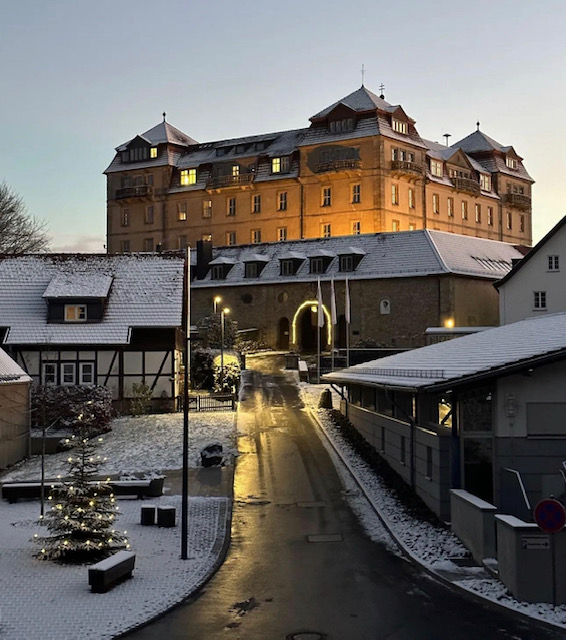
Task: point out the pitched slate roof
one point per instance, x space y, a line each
10 371
163 133
360 100
478 141
387 255
445 364
147 291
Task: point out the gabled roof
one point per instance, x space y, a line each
163 133
489 353
360 100
10 371
478 141
147 291
78 285
538 246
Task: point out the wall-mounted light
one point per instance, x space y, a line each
449 323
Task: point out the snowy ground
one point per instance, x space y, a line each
53 602
431 546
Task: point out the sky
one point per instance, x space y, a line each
79 78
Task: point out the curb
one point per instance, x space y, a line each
411 557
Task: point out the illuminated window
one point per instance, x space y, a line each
231 238
395 225
282 201
485 182
435 203
75 313
326 230
206 237
256 236
231 206
181 211
400 127
356 228
125 220
436 168
394 194
235 170
256 204
327 197
478 213
411 198
282 234
149 214
412 226
188 177
153 152
464 210
280 165
356 193
207 208
490 216
450 203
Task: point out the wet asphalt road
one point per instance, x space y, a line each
275 582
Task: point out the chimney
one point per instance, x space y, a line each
204 256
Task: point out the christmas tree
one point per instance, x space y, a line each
82 513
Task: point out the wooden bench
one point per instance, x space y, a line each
103 575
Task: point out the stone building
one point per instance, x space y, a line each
361 166
399 283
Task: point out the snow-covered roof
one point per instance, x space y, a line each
146 291
454 361
10 371
255 257
387 255
78 285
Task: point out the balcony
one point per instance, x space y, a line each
403 167
517 200
141 191
223 182
466 185
338 165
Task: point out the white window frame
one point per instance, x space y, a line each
554 263
464 208
399 126
490 216
52 374
72 367
395 226
356 228
485 182
327 196
230 238
78 311
435 203
82 373
450 207
282 201
394 194
256 203
326 230
539 300
478 212
356 193
437 168
231 206
282 234
511 163
256 236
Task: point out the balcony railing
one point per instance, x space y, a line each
403 166
518 200
220 182
466 185
338 165
141 191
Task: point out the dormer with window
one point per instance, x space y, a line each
280 164
77 297
437 168
290 262
188 177
511 162
138 150
485 182
350 258
254 264
341 126
399 126
320 260
220 267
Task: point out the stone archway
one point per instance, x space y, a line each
304 327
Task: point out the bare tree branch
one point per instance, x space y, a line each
20 232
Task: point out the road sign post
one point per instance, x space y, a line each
550 515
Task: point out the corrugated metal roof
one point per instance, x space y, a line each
146 291
460 358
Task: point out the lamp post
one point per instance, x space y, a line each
223 314
217 300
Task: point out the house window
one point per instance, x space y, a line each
411 198
346 263
231 206
188 177
153 152
356 193
436 168
251 270
86 373
522 223
181 211
450 203
337 126
554 263
412 226
235 170
207 208
464 209
326 230
231 238
509 220
282 234
400 127
218 272
256 204
485 182
149 214
317 265
435 203
511 163
148 244
287 268
282 201
327 196
539 299
75 313
356 228
394 194
125 221
125 246
478 212
182 242
280 165
68 373
49 373
256 236
490 216
395 225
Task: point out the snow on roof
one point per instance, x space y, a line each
321 253
255 257
10 371
147 291
387 255
460 358
79 285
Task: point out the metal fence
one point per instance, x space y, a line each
217 402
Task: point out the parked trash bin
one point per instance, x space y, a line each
292 361
211 455
325 400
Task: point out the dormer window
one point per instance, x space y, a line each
338 126
399 126
280 165
288 268
350 261
511 162
222 151
138 153
346 263
436 168
75 313
251 270
290 263
218 272
485 182
317 265
320 261
235 170
153 152
188 177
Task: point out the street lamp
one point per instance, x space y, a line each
215 302
223 313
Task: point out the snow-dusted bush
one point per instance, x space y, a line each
229 380
141 402
202 369
73 407
210 331
251 346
